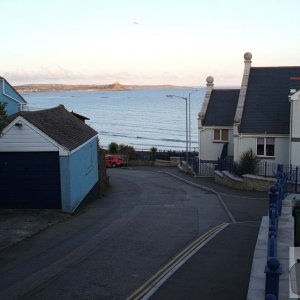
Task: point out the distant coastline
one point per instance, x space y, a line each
32 88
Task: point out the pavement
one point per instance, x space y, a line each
17 225
203 278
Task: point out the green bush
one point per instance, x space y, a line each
3 116
249 163
113 148
126 150
153 151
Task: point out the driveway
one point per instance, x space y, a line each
116 243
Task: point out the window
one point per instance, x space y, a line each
220 135
265 147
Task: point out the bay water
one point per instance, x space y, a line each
139 118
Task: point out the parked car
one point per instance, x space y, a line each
113 161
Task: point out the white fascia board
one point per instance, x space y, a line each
22 103
62 151
82 145
251 135
296 96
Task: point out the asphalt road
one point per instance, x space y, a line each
114 244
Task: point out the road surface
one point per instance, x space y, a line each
113 245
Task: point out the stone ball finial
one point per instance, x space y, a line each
247 56
209 79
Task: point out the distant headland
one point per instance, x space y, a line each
31 88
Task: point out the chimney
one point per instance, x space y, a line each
243 90
209 88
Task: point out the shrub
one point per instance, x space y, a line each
127 150
248 163
153 151
3 116
113 148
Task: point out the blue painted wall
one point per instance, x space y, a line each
12 105
79 173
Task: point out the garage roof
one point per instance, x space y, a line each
60 125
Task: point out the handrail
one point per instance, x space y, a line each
273 267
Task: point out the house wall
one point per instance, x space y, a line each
295 151
11 105
244 143
210 150
6 91
79 173
24 139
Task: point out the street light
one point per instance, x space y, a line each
186 125
190 140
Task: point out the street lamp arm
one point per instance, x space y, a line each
186 124
192 92
171 96
189 129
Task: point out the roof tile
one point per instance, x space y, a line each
221 107
266 108
60 125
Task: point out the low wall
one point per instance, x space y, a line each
140 163
173 162
247 182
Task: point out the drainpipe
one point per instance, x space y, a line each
291 129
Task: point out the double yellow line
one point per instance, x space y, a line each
157 279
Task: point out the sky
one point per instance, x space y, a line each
144 41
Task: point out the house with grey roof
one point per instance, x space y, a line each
48 159
216 122
14 101
262 115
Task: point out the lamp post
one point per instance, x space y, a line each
186 125
190 140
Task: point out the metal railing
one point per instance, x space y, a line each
203 168
273 267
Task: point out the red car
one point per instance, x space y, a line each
113 161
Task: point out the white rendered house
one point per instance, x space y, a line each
265 119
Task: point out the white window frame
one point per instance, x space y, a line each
221 135
265 147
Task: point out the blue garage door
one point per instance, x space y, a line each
29 180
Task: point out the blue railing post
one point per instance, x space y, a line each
273 267
273 270
273 200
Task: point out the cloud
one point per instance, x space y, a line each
65 76
42 75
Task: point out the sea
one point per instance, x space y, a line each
139 118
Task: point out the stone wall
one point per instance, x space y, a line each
247 182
